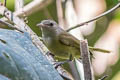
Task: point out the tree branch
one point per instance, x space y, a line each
103 78
30 8
95 18
86 59
6 24
19 4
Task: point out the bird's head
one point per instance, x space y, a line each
49 26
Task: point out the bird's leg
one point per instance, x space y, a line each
55 63
60 63
63 62
70 57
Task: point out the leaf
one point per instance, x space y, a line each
20 59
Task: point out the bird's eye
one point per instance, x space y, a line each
51 24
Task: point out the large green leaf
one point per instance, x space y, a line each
21 60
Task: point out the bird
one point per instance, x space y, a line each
61 43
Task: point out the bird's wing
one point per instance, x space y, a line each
69 40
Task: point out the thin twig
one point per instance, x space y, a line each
31 8
19 4
95 18
86 59
9 25
103 78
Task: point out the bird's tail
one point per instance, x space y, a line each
99 50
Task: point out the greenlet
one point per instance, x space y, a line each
61 43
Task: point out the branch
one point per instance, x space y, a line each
104 77
86 59
6 24
95 18
31 8
19 4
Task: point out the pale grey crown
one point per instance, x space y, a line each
51 26
49 22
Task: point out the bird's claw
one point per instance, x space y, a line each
56 64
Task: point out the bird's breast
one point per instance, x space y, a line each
47 40
59 49
56 47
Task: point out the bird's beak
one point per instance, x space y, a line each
40 25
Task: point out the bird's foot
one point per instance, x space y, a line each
56 64
63 62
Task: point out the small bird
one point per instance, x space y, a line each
60 42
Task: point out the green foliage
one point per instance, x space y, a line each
117 15
111 3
